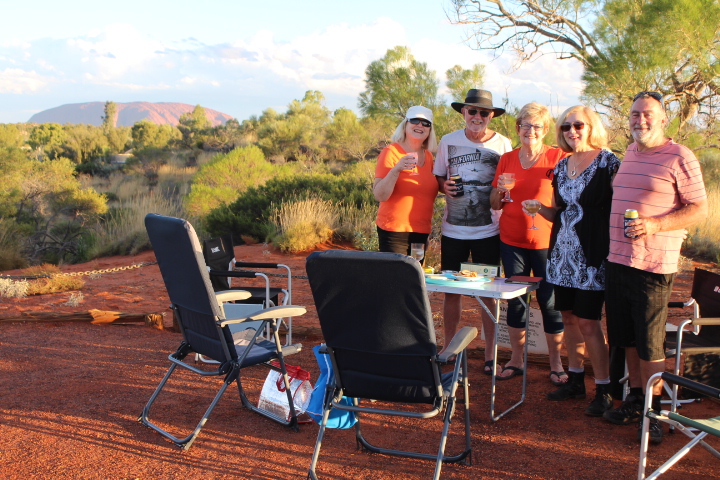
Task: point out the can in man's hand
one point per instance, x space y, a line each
630 214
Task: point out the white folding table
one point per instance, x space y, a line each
499 290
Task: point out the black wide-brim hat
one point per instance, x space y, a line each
478 98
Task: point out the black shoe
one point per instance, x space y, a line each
654 429
573 388
601 403
629 411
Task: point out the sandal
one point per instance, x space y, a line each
515 372
559 375
488 370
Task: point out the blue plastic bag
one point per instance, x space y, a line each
338 418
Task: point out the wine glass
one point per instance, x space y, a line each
414 169
508 182
417 251
533 207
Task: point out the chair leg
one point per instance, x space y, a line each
318 444
186 442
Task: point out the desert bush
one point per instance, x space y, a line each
123 231
302 224
703 238
54 283
251 213
228 176
13 288
12 237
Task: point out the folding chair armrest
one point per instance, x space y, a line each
458 343
232 273
256 265
706 321
692 385
231 295
676 304
272 312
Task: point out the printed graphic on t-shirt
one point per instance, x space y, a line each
477 168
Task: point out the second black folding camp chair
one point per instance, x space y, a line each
376 320
205 328
219 256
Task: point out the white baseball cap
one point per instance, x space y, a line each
419 112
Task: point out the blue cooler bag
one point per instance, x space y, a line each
337 418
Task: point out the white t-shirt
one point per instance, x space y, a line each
470 217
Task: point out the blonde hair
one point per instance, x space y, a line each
535 110
598 136
430 142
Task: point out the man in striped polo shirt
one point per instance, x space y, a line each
663 182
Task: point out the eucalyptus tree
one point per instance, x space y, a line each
396 82
624 46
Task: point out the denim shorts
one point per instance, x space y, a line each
636 304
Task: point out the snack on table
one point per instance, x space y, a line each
466 273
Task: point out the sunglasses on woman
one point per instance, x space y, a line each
473 111
416 121
565 127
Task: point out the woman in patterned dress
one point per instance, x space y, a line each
578 248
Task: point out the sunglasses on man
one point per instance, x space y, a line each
474 111
419 121
565 127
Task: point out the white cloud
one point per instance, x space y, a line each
243 76
18 81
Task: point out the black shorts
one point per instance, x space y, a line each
636 304
582 303
399 242
483 250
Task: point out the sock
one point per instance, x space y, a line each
637 393
602 381
576 369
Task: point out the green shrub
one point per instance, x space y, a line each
302 224
227 176
251 213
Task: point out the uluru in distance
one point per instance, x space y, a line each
128 114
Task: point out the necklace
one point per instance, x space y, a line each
573 174
530 158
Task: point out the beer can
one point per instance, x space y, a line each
455 177
630 214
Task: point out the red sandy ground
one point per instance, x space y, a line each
72 393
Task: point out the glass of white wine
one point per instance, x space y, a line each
417 251
508 182
533 207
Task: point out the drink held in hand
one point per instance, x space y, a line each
459 190
417 251
508 181
630 215
533 207
414 170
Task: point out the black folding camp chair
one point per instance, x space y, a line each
205 329
377 324
697 429
219 254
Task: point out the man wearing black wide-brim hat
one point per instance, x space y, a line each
470 227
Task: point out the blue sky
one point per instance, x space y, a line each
236 56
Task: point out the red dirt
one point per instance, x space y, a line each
72 393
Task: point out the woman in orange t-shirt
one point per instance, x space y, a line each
524 249
405 185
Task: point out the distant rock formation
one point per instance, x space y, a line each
128 113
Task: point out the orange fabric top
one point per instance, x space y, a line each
534 182
410 206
